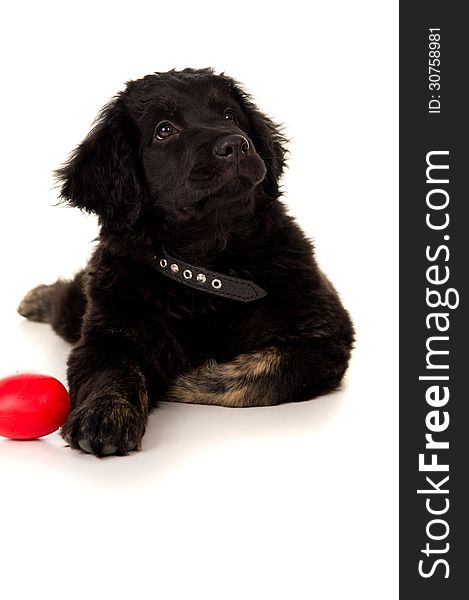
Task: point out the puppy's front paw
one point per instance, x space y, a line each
104 426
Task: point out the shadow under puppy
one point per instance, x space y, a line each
201 289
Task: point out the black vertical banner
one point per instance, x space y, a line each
434 330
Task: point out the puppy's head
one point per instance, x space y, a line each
178 146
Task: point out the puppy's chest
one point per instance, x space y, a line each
195 318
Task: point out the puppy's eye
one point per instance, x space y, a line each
164 130
230 116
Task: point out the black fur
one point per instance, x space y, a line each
139 336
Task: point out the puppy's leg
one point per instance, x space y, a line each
61 304
109 397
268 376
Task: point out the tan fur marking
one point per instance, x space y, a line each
183 391
253 364
35 306
245 381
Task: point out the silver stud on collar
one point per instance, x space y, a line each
201 278
163 263
187 274
174 268
216 283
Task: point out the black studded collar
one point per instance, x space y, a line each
211 282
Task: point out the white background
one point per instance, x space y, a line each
297 501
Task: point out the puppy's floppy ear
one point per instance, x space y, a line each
270 144
103 174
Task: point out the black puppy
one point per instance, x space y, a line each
201 289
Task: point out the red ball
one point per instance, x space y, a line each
32 405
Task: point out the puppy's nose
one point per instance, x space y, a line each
231 146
